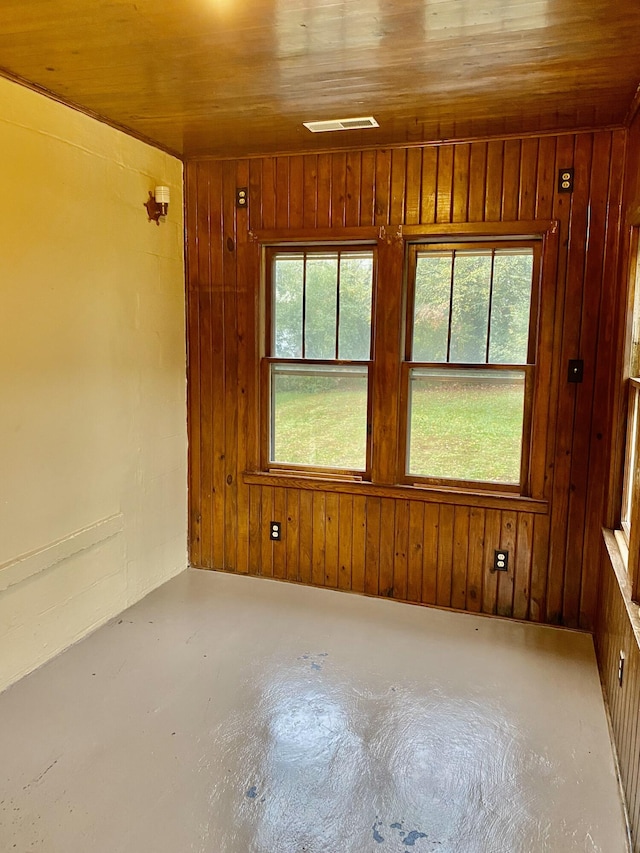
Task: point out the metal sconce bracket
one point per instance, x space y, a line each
154 209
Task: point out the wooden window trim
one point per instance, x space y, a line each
629 481
534 229
291 479
267 463
619 426
382 479
508 239
521 488
267 359
633 563
631 440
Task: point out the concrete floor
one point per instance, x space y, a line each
227 714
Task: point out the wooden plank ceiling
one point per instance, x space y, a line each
233 77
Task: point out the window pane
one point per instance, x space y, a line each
510 306
470 308
356 287
634 360
466 424
431 306
319 415
288 293
630 458
321 306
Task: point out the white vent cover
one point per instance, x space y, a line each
340 124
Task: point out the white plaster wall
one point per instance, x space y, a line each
92 377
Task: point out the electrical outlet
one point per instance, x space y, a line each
242 196
576 370
565 180
275 531
500 561
621 660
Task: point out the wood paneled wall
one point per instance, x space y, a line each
411 550
412 546
615 634
618 623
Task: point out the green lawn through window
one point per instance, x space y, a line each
467 430
464 431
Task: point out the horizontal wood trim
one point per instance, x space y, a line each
432 142
521 229
534 228
426 494
486 366
325 362
364 234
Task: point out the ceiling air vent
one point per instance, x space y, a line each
340 124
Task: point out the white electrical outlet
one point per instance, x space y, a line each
275 532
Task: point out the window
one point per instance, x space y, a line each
630 511
628 535
630 460
405 357
318 357
469 364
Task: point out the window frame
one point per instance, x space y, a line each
414 249
631 463
268 359
388 323
629 526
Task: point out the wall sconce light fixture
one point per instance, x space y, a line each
158 203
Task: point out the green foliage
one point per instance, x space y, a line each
328 319
287 306
510 308
479 313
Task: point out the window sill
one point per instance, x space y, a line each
428 494
623 548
